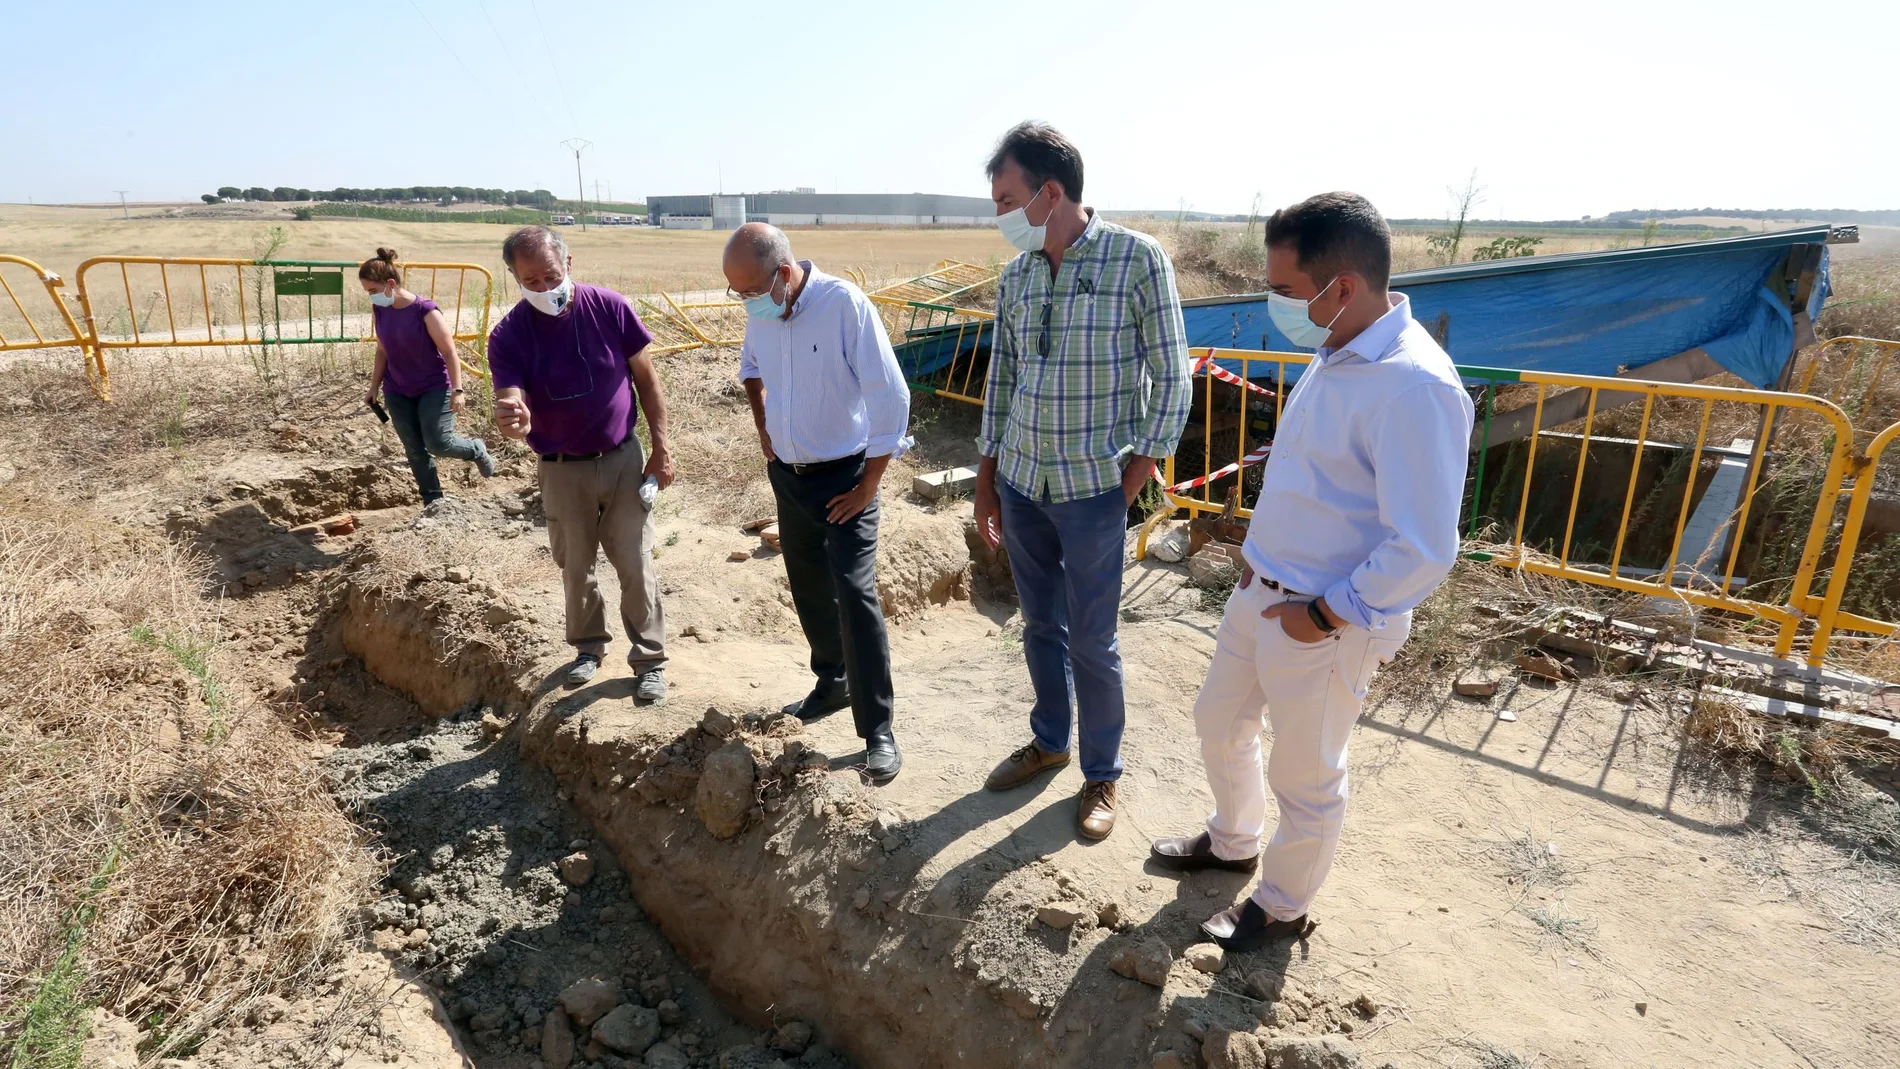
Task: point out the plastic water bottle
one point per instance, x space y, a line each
649 490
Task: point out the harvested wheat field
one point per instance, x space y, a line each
287 777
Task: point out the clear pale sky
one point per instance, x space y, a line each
1563 109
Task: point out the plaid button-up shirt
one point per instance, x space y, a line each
1062 416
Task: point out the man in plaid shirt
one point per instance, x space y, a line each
1088 385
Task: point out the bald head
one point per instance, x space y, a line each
755 255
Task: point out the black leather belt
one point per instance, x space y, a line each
1274 584
563 458
824 465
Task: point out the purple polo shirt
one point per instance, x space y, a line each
412 366
573 368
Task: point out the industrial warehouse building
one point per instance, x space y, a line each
803 207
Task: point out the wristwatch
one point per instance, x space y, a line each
1318 616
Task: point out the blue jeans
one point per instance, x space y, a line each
426 425
1067 559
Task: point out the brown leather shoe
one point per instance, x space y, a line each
1023 765
1095 808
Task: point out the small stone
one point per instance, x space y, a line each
576 869
557 1040
586 1001
1509 716
1544 666
1148 962
665 1056
1475 686
1109 915
492 725
1266 985
738 555
1064 914
1642 1009
459 574
1224 1049
1206 957
792 1037
440 857
669 1012
861 898
723 798
656 989
1311 1052
628 1029
718 724
1366 1006
420 751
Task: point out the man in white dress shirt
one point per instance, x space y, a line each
1356 523
832 407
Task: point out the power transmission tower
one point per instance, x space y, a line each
577 144
123 210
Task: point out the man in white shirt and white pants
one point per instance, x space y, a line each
1356 523
832 407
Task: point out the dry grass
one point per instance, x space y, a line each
166 848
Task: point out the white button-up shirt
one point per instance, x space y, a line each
1359 500
832 384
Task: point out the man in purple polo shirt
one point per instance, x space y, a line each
567 362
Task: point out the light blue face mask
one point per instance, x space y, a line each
382 300
1294 318
763 306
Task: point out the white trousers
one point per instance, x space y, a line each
1311 693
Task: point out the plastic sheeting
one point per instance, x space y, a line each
1584 313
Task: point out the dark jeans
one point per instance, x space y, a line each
1067 558
426 425
832 571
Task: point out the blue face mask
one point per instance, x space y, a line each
1294 319
382 300
763 306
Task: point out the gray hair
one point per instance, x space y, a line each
533 239
767 244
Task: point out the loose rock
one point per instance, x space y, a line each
586 1001
1235 1050
628 1029
1206 957
557 1041
1311 1052
792 1037
665 1056
1148 962
1063 914
724 795
576 869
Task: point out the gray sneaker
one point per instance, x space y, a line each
582 669
649 684
485 462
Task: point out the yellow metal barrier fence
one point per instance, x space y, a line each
22 323
194 301
1662 518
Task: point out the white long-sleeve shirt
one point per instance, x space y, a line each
1359 500
832 384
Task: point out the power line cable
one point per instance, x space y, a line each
445 44
499 39
567 100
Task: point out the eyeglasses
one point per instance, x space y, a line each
1042 339
736 295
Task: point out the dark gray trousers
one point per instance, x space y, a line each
426 425
833 575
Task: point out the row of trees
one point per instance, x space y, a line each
538 198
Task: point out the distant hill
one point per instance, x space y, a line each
1831 215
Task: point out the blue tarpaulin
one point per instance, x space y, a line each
1594 313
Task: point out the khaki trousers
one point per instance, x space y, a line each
593 506
1311 693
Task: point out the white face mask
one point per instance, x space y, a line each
550 302
382 300
1018 231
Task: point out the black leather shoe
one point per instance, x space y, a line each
1247 927
881 759
822 701
1195 854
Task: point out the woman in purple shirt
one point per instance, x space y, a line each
418 374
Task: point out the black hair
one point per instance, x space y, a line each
1042 153
1334 233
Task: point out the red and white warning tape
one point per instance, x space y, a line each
1247 461
1212 367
